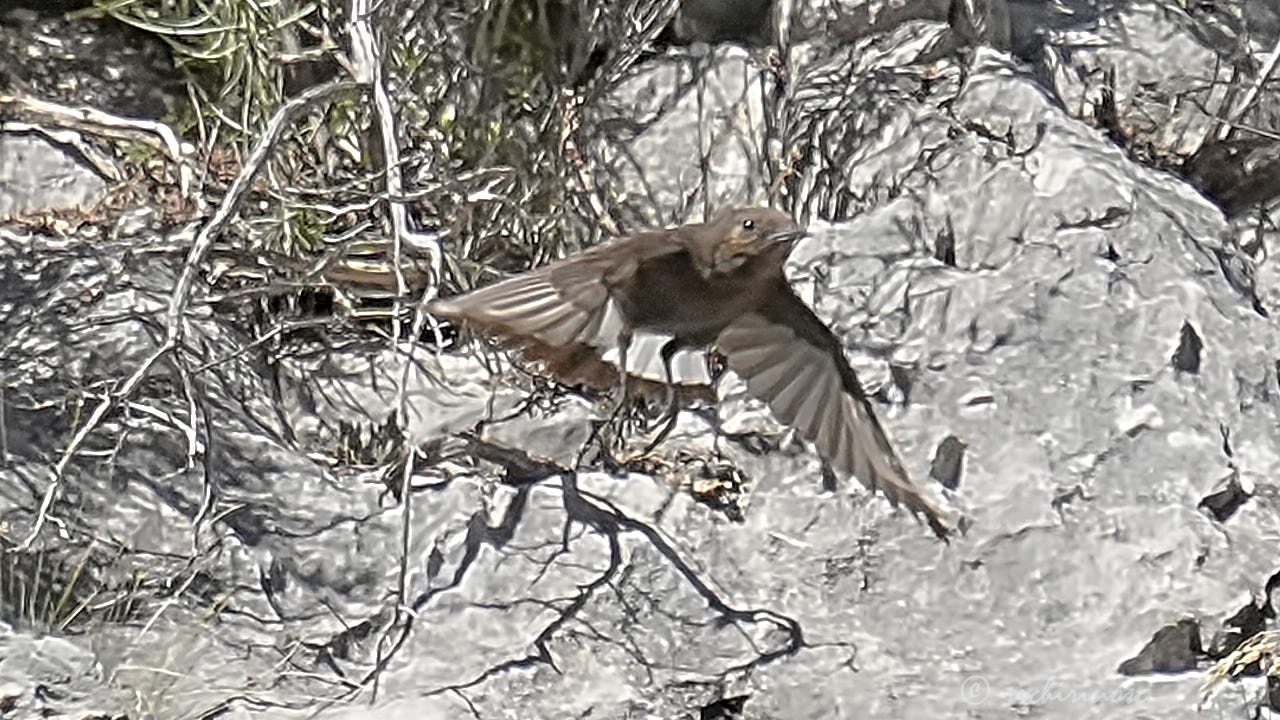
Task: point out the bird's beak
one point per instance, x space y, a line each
787 237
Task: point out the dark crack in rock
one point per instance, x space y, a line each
714 21
1224 503
1173 649
729 708
1186 358
948 459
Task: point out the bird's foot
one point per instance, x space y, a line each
613 428
671 416
600 449
609 433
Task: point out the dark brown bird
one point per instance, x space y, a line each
719 284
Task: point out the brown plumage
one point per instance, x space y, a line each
719 284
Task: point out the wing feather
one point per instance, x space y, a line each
792 362
566 304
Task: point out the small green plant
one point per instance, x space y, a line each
58 591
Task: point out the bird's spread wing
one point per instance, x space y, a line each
563 304
560 304
790 360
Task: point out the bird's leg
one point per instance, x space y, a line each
624 349
620 409
673 405
717 433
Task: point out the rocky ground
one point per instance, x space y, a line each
1044 255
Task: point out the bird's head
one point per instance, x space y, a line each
739 234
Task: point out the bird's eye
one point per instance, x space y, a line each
748 225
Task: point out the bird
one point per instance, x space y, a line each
719 285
